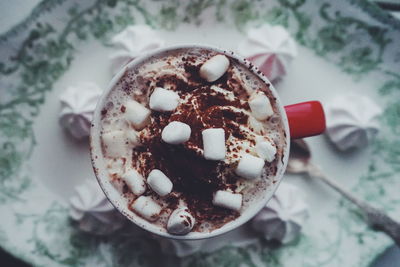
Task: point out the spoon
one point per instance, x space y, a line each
300 163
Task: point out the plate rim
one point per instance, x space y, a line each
370 7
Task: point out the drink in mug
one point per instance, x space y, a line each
189 142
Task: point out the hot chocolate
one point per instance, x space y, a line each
191 138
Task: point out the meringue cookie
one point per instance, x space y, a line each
132 42
77 107
352 120
92 210
282 218
270 48
180 248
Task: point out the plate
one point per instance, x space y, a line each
343 46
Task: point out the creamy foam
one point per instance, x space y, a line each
222 103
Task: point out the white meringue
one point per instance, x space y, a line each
92 210
352 120
270 48
132 42
282 218
77 107
180 248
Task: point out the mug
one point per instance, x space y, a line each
299 120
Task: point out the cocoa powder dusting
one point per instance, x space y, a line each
195 179
123 108
219 104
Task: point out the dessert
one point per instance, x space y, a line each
92 211
132 42
78 103
352 121
191 138
180 248
283 217
270 48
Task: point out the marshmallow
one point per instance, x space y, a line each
159 182
176 132
132 137
114 143
227 200
146 207
116 166
257 126
163 100
214 144
135 182
265 149
180 222
260 106
137 114
214 68
250 167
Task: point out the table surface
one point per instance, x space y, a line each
12 12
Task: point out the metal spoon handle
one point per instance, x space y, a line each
376 218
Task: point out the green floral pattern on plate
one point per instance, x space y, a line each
38 52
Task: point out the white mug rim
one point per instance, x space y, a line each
109 189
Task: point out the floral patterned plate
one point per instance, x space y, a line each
346 45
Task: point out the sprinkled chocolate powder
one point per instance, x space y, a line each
194 178
220 104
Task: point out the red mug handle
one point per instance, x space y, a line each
305 119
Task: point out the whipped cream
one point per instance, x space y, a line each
352 121
284 215
270 48
92 210
250 128
132 42
78 103
200 182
